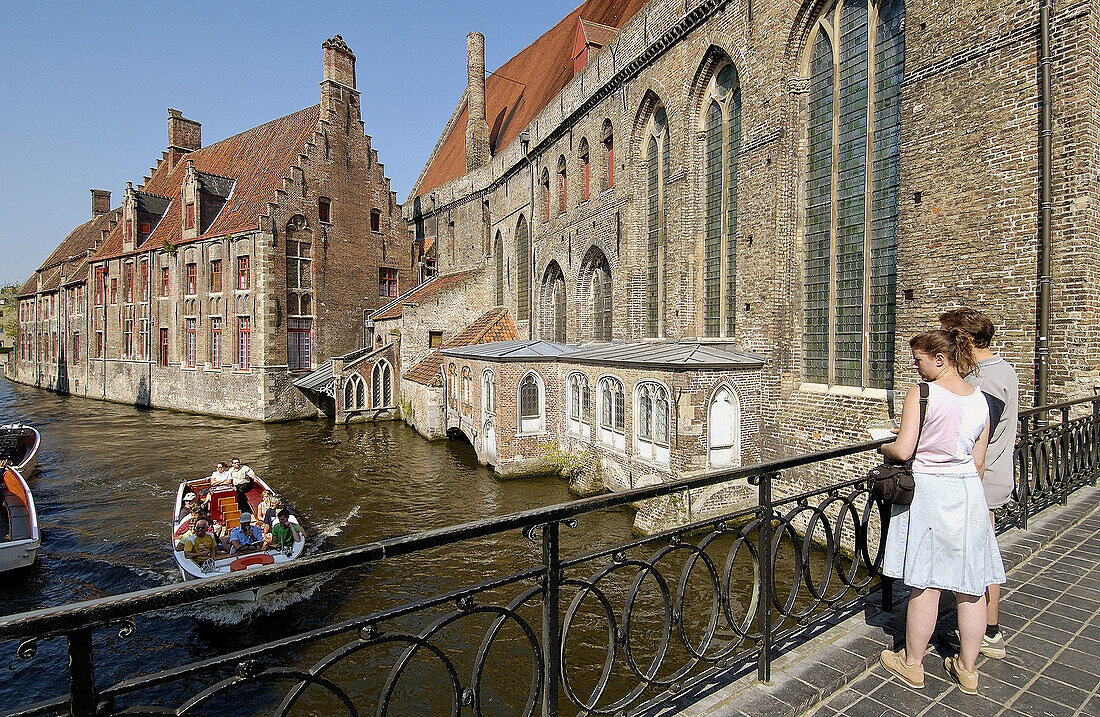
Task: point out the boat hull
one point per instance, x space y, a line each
29 441
20 539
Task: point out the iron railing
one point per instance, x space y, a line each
616 631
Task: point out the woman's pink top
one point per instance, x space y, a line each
952 426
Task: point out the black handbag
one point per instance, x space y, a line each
892 481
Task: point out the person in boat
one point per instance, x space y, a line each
246 538
191 502
283 532
220 476
265 505
200 546
271 513
242 477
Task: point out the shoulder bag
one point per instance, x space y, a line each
892 481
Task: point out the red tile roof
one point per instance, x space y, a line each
494 325
73 252
596 33
257 160
425 291
520 88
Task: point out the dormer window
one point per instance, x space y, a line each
189 216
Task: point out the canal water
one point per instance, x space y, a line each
107 476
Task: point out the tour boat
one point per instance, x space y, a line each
19 446
224 510
19 536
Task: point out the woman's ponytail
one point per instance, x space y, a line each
964 358
954 343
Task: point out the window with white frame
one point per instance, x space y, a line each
580 404
530 404
382 383
488 392
855 69
724 429
651 426
612 408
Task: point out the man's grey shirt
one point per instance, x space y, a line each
995 377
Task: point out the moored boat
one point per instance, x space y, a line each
19 536
224 511
19 445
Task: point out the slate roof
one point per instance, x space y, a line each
495 325
670 355
424 291
521 88
256 161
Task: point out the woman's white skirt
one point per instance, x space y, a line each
944 538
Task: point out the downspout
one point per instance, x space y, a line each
525 139
1046 138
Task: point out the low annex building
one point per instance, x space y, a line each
804 183
231 270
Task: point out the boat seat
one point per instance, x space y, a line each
9 444
19 523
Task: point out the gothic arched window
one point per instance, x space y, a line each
724 429
499 250
563 185
722 124
612 408
530 404
652 422
582 154
856 61
488 391
598 274
523 271
382 382
657 171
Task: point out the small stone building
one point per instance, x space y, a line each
230 271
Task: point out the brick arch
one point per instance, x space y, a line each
796 48
553 300
715 56
650 102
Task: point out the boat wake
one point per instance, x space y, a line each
330 530
234 613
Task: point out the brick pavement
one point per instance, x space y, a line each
1050 614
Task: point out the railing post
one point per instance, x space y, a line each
1025 474
1065 465
82 696
764 501
551 627
1094 466
886 583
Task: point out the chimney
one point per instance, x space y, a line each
101 202
477 129
339 62
184 135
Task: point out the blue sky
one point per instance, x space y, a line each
85 88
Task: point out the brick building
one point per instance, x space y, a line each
807 183
230 271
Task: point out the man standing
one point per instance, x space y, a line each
996 378
242 477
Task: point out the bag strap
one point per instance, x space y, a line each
923 388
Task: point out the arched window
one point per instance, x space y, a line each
612 408
582 154
355 390
722 124
652 422
608 141
724 429
382 383
657 170
467 389
544 191
580 404
500 270
523 271
530 404
452 386
552 314
856 61
596 280
488 392
563 185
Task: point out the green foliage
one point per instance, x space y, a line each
570 465
407 410
170 247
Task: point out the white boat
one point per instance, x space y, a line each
223 510
19 445
19 536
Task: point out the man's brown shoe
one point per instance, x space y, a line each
912 675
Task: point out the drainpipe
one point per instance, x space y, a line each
1046 137
525 140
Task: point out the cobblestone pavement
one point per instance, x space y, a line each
1050 615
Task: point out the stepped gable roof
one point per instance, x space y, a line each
422 292
256 161
73 250
495 325
520 88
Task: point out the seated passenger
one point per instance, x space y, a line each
267 503
247 538
199 547
190 502
283 532
220 476
270 514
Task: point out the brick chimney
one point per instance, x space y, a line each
184 135
339 61
339 98
477 129
101 202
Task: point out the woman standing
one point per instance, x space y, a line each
943 540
